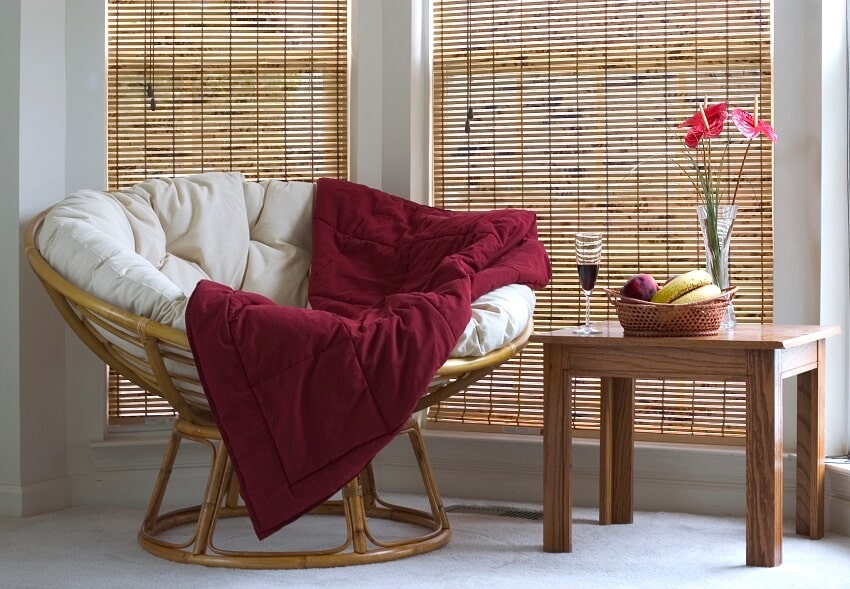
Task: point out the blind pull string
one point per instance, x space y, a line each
467 126
148 57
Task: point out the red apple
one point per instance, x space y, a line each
640 286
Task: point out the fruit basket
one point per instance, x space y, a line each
646 319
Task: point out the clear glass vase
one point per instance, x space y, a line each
715 226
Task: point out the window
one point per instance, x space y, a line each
570 109
259 87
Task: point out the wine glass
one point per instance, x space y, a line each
588 257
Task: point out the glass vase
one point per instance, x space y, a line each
715 225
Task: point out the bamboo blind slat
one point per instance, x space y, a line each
257 86
570 109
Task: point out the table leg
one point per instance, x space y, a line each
557 451
810 448
764 458
616 450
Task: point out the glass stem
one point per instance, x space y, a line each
587 308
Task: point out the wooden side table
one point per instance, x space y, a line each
759 355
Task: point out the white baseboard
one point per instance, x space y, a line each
127 465
837 503
685 477
11 500
35 498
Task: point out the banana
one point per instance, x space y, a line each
709 291
681 285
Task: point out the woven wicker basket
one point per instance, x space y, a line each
645 319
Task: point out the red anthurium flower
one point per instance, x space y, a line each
709 176
706 122
750 127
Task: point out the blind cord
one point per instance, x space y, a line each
148 52
469 115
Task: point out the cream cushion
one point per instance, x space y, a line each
143 249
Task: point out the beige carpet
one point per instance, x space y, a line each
95 548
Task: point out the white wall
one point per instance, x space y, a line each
10 413
85 148
834 255
810 110
367 97
389 103
389 125
34 457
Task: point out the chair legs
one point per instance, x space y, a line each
359 504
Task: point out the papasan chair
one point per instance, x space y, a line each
295 328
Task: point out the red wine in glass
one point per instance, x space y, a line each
588 258
587 274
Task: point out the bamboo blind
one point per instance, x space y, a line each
570 109
256 86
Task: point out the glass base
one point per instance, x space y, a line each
729 320
586 330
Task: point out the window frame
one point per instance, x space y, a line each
567 313
153 33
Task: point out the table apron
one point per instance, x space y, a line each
657 363
800 359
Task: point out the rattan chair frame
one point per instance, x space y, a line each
151 354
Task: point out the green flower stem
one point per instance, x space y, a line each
713 241
741 171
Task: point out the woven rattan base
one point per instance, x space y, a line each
359 504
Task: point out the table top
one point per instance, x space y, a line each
743 336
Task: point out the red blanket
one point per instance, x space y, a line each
305 398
